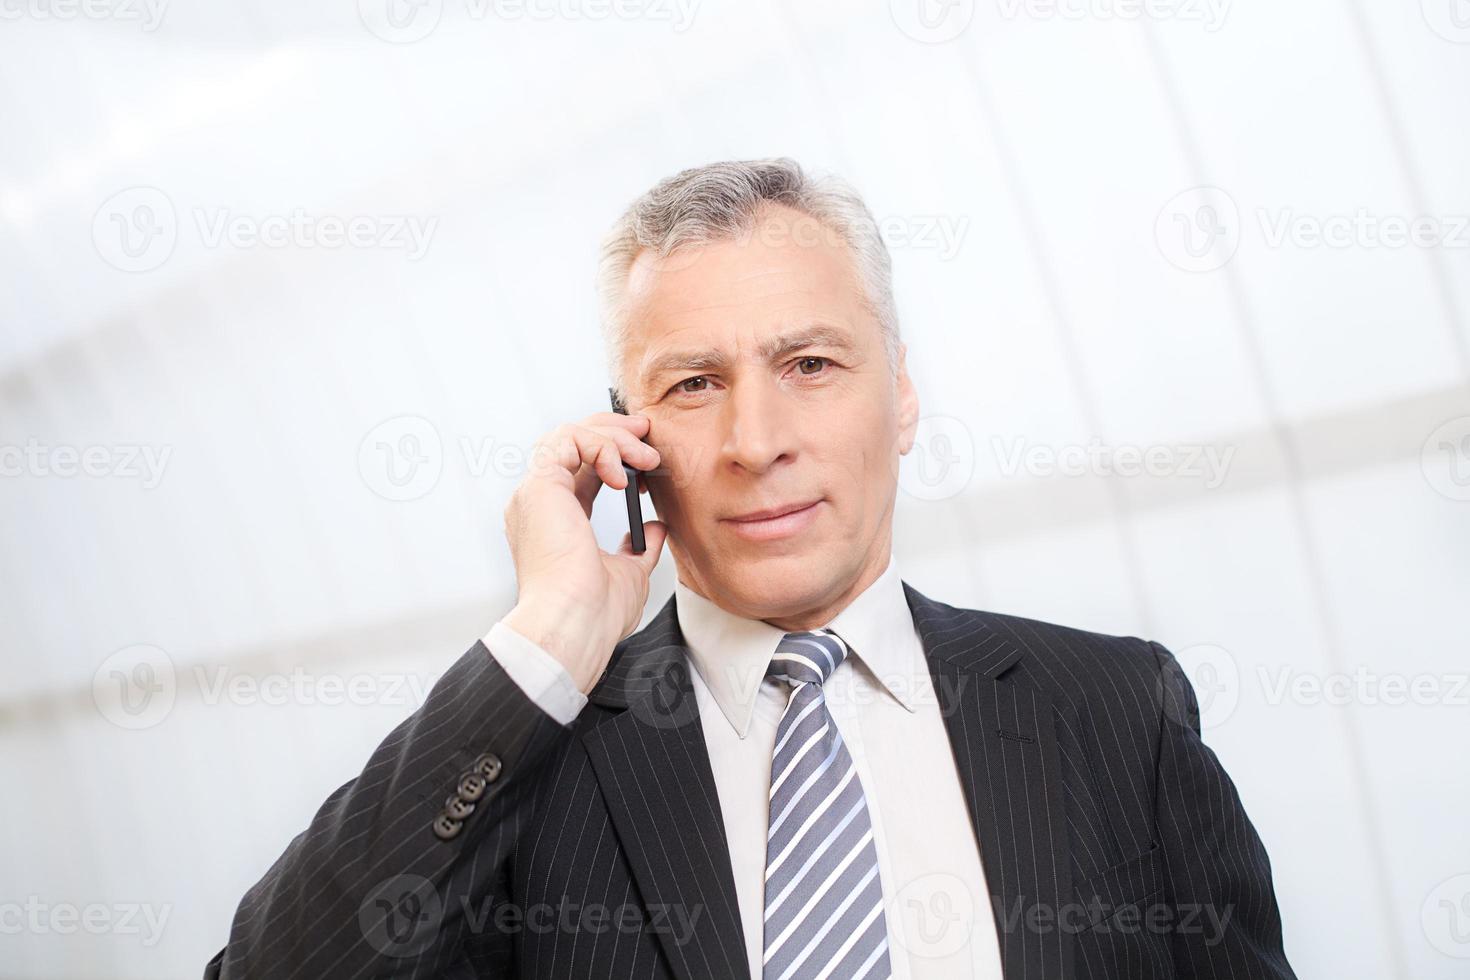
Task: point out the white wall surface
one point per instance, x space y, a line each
1101 224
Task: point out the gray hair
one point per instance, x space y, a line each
721 201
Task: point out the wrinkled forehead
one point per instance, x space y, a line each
741 298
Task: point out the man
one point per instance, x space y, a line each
802 767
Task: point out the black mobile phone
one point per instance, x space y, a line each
635 506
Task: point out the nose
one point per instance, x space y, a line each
759 429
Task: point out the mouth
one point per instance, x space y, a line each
775 522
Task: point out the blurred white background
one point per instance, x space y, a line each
289 292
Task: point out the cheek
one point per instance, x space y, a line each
862 456
678 490
863 476
883 447
687 467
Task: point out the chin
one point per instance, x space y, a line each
774 585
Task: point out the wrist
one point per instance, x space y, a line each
565 631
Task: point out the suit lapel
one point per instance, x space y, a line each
653 766
1004 739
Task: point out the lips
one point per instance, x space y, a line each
774 524
772 512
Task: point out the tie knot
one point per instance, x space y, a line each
807 657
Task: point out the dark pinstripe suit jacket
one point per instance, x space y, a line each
1113 843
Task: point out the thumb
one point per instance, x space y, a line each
654 533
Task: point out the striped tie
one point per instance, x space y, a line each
824 900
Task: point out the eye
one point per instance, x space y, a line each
680 387
801 363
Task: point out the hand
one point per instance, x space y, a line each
575 600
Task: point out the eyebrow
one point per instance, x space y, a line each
772 350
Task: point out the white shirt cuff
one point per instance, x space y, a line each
536 672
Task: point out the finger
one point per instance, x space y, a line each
633 450
603 463
654 534
577 450
592 477
613 449
591 458
638 425
579 458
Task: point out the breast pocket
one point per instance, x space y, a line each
1133 881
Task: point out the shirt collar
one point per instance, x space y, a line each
731 652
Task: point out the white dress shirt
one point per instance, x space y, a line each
882 700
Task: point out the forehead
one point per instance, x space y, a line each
731 295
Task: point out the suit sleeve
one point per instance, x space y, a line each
536 672
384 882
1217 874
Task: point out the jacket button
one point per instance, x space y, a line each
446 827
471 787
458 808
489 766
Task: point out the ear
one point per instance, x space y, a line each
908 404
